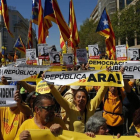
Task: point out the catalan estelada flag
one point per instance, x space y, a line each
104 28
63 27
41 32
74 37
19 45
63 44
29 40
35 10
4 13
48 11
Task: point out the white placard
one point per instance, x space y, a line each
81 55
121 52
132 54
43 51
68 59
30 55
7 95
54 58
93 51
21 61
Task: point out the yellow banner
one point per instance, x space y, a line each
103 64
69 135
85 78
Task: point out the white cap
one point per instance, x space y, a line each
75 87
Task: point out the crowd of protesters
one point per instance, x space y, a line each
72 108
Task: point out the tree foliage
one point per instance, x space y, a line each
127 22
88 35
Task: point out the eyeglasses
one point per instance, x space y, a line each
48 108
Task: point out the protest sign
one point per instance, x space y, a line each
27 73
7 95
43 51
70 135
85 78
42 87
132 68
31 56
121 52
54 58
21 61
68 60
133 54
93 51
81 55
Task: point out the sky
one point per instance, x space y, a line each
83 10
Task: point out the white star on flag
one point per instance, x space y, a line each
19 42
105 22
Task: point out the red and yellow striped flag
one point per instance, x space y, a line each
63 44
73 27
47 25
30 41
41 32
63 27
4 12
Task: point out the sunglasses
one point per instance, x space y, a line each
48 108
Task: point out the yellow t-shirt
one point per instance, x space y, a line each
10 121
77 121
30 124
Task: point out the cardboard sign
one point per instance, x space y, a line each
133 54
93 51
68 60
43 51
7 95
85 78
31 56
54 58
21 61
121 52
81 55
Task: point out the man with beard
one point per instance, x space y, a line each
43 106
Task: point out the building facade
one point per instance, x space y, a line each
112 6
18 26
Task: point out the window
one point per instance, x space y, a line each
128 2
121 4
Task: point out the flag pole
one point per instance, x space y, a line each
36 42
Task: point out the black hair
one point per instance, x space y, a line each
32 52
135 51
96 50
54 49
38 100
82 90
70 56
56 55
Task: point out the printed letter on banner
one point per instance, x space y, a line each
7 95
